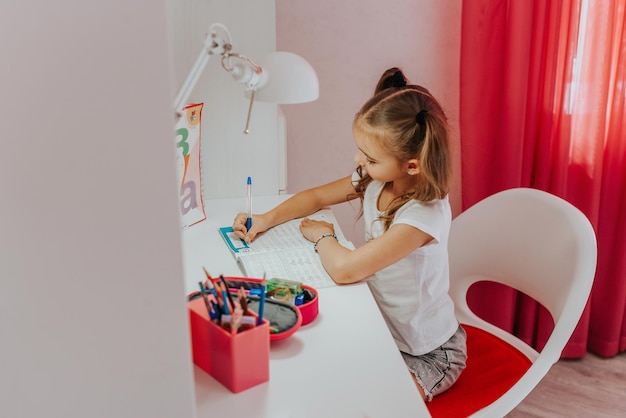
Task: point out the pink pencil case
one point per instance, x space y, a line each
308 310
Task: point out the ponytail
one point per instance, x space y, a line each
408 121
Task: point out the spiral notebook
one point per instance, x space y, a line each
282 252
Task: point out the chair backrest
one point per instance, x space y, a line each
536 243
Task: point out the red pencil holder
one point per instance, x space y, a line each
198 326
238 361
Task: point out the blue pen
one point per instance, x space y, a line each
225 288
262 301
225 299
249 218
213 311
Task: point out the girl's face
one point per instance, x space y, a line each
378 163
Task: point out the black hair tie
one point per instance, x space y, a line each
420 117
398 80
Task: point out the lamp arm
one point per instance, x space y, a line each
190 82
214 44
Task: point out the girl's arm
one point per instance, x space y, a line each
297 206
350 266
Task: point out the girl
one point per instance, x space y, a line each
402 180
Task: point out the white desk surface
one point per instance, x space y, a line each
343 364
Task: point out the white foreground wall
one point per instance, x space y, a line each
92 313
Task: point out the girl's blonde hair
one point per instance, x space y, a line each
409 122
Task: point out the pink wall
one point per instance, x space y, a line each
350 43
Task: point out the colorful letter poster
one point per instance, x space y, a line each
188 165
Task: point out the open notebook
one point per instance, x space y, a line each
282 252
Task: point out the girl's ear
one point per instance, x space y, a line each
412 167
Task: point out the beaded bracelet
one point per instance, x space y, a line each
321 238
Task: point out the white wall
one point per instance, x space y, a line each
228 155
350 43
93 321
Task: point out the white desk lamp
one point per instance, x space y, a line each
283 77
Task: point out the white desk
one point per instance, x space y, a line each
343 364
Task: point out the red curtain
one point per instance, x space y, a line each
542 105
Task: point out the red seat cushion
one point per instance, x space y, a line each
493 367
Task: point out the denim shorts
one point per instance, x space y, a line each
438 370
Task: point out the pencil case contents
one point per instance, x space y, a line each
304 297
287 291
284 318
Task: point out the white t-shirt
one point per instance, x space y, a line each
412 294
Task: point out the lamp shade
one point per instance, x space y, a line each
288 78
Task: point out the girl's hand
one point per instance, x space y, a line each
259 224
312 229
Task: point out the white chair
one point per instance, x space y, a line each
538 244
